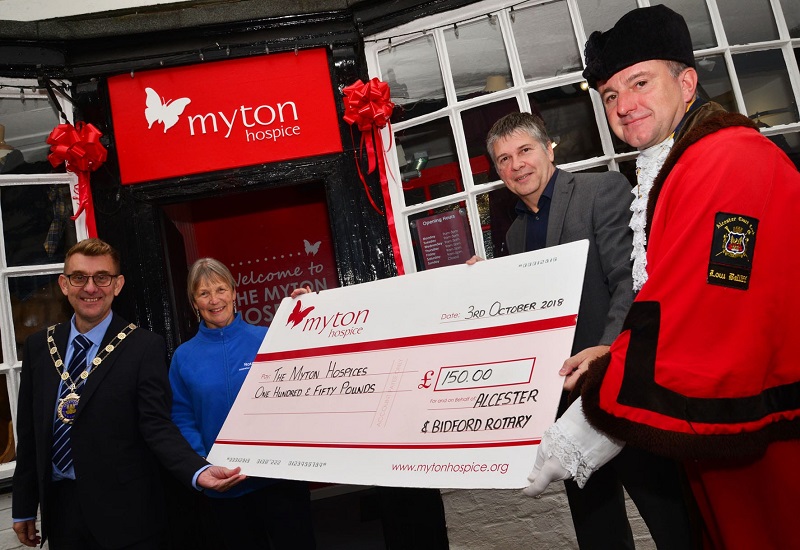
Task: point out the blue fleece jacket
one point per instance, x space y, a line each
206 375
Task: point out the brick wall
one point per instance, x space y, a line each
506 519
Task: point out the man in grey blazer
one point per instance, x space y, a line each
557 207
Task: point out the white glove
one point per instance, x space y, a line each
570 448
546 469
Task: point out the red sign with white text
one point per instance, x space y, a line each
273 241
223 114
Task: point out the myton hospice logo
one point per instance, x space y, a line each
259 124
298 314
166 112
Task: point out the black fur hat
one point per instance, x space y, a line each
642 34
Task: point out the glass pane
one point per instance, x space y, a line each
26 120
7 448
790 144
478 58
569 118
477 123
797 56
791 11
697 19
497 214
766 89
36 303
441 237
600 15
412 71
747 21
11 158
619 145
628 169
714 82
428 162
546 41
37 228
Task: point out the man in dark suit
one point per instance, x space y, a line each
94 421
557 207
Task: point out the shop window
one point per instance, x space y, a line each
791 11
428 161
748 21
714 82
476 75
628 169
7 447
36 208
476 123
37 223
569 118
790 144
36 303
696 12
546 26
766 88
37 230
414 78
440 68
619 145
600 15
441 237
497 213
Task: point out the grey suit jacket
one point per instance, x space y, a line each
594 207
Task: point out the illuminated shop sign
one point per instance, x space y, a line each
223 114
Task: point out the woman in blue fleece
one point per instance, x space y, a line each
206 374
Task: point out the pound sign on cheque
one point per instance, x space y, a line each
426 383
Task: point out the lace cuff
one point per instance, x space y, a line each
579 447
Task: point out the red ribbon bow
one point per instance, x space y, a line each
79 146
368 106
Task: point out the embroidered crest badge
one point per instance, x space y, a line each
732 248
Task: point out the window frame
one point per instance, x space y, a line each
435 26
11 363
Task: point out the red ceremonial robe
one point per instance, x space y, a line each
705 370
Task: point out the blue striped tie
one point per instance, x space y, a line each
62 446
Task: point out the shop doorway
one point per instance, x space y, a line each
272 240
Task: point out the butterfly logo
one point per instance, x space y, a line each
298 314
311 248
165 112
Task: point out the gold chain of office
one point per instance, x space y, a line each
68 406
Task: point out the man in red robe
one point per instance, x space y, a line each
704 369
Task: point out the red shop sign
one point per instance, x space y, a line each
223 114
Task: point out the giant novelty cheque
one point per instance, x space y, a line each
444 378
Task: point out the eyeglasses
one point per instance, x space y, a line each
99 279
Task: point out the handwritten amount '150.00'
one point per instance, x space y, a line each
458 377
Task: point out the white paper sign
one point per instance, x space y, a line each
445 378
